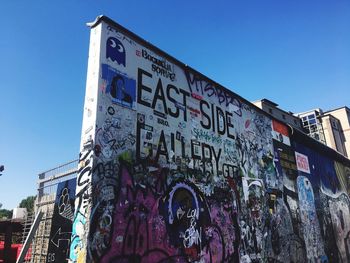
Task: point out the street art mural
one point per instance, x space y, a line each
327 181
62 219
176 168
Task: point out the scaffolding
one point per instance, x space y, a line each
45 202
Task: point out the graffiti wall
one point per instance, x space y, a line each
326 223
176 168
62 219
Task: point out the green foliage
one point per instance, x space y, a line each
5 214
28 203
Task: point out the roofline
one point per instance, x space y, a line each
103 18
145 43
292 114
329 114
318 109
268 101
329 111
324 150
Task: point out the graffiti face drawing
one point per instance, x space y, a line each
308 216
115 51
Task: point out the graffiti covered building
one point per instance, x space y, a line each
176 168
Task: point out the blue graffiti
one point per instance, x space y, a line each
76 238
115 50
121 88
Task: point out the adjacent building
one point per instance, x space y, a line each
327 127
282 115
331 128
339 120
312 124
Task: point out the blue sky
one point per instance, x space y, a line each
290 52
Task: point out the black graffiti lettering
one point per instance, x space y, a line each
221 96
170 98
162 148
195 150
216 157
185 94
160 62
229 125
205 115
159 95
163 72
229 171
85 157
213 117
219 120
194 81
206 152
160 66
163 122
209 88
82 172
141 87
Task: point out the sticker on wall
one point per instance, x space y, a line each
160 66
115 51
120 87
302 162
280 132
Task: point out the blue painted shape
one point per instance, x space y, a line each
115 50
322 171
121 88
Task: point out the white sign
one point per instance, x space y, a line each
302 162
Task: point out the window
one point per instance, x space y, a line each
270 110
313 128
313 121
334 125
283 116
310 117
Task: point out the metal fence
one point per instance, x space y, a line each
45 202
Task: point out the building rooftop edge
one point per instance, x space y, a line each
147 44
275 105
329 111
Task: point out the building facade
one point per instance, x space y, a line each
174 167
312 124
326 127
343 125
272 108
331 128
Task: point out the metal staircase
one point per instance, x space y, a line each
29 237
26 226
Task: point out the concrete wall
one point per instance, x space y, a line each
175 168
326 226
333 133
343 115
272 109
